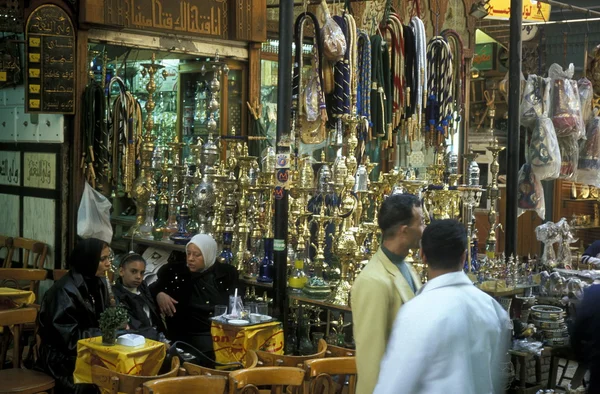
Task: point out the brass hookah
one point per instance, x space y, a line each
471 196
145 183
493 195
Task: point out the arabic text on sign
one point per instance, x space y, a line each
34 57
34 89
38 171
34 103
9 168
34 42
34 73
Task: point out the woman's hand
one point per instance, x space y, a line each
166 304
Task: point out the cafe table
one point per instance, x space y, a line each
143 360
230 342
15 298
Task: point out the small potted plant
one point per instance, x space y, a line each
112 319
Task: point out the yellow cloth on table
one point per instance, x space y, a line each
144 360
19 297
231 342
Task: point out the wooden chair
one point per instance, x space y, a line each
248 381
186 384
338 351
266 359
21 275
17 380
6 243
33 251
320 372
115 382
57 274
250 361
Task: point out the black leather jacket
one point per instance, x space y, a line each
196 294
134 303
68 313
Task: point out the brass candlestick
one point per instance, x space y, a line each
493 196
145 183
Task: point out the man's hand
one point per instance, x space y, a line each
166 304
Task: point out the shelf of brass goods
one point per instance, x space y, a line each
316 302
585 227
254 282
167 245
520 290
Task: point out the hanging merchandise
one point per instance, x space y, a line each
420 74
339 101
395 31
530 193
363 75
565 110
535 100
333 37
94 160
411 84
586 98
439 88
589 157
125 116
352 56
569 155
458 77
544 152
381 108
310 112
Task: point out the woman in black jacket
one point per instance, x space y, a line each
70 311
133 294
187 293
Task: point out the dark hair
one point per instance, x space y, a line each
395 211
86 255
128 258
443 243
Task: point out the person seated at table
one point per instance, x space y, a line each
70 311
133 294
186 293
592 255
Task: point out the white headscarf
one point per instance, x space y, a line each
208 247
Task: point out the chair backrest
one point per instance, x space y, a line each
115 382
320 375
247 381
338 351
250 361
6 242
266 359
16 318
18 275
187 384
34 251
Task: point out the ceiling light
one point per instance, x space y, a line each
479 10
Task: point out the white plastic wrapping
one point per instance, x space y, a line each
535 100
589 156
565 110
334 41
93 216
530 194
569 156
544 152
586 97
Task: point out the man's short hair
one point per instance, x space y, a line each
443 243
396 210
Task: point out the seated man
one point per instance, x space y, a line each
592 255
132 293
452 337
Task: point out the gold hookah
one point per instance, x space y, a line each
493 195
145 183
471 196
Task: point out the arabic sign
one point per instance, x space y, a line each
39 170
195 17
483 59
10 168
533 11
50 75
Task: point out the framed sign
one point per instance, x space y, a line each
10 168
50 75
39 170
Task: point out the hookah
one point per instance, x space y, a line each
471 196
493 196
267 178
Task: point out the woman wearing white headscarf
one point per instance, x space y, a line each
187 293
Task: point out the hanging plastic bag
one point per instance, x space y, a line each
530 193
569 155
532 104
93 216
544 152
586 96
334 41
548 234
565 110
589 156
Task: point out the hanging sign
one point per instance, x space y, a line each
39 170
50 71
191 17
533 11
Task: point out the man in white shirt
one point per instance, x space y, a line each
451 337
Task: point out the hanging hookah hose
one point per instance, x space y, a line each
410 84
439 86
95 137
458 58
394 29
420 71
379 105
363 73
352 51
341 77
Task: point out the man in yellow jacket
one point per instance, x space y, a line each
385 283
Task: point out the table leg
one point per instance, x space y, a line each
553 371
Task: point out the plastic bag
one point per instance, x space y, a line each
589 156
93 216
565 109
586 96
569 155
334 41
544 152
533 104
548 234
503 87
311 97
530 194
